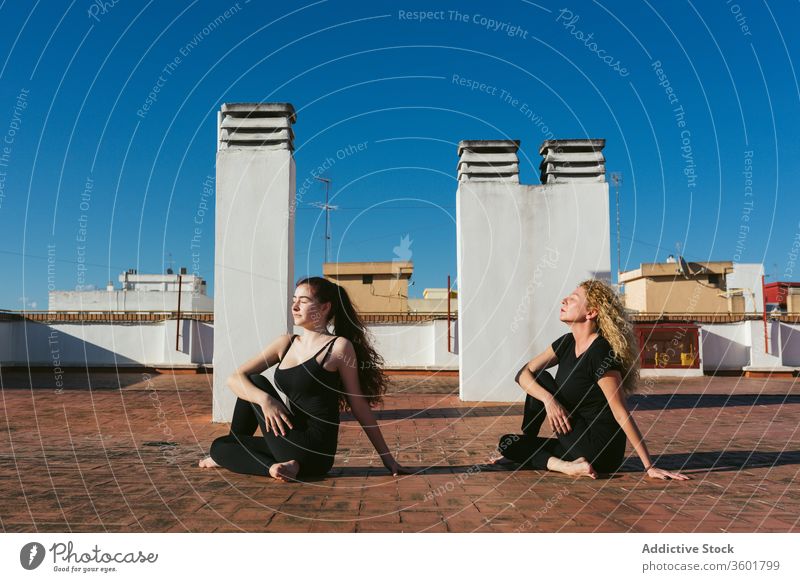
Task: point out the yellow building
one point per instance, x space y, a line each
373 287
662 288
434 300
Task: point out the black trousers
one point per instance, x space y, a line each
242 452
602 442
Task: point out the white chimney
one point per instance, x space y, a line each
572 160
254 236
488 161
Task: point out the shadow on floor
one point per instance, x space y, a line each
636 402
76 380
716 461
678 401
711 461
443 412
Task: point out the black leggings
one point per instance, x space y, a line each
241 452
602 444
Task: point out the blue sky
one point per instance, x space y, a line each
74 75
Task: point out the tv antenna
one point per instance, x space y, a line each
327 207
170 263
683 268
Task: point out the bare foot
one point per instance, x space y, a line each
207 463
284 472
580 467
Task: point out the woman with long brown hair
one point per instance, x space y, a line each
585 404
301 440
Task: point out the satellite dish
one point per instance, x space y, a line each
683 267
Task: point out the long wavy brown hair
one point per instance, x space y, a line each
614 325
347 324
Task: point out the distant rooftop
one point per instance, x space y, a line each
369 268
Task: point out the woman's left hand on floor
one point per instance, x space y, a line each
656 473
396 468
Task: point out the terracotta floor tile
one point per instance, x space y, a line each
108 471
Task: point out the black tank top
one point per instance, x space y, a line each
313 392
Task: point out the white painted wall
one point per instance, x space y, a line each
442 358
403 345
202 347
790 344
7 342
760 358
254 264
421 345
724 346
98 344
520 250
748 276
128 301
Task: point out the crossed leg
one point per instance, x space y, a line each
242 452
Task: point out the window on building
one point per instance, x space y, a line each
366 279
713 280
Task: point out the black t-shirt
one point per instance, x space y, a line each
578 390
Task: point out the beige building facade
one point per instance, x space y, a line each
373 287
793 300
662 288
434 300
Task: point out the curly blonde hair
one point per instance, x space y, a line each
614 325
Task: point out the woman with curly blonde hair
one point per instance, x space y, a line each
585 404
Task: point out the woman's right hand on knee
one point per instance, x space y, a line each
276 417
557 416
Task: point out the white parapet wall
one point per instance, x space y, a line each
104 344
724 346
420 346
520 250
254 262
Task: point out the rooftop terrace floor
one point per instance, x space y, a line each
89 460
